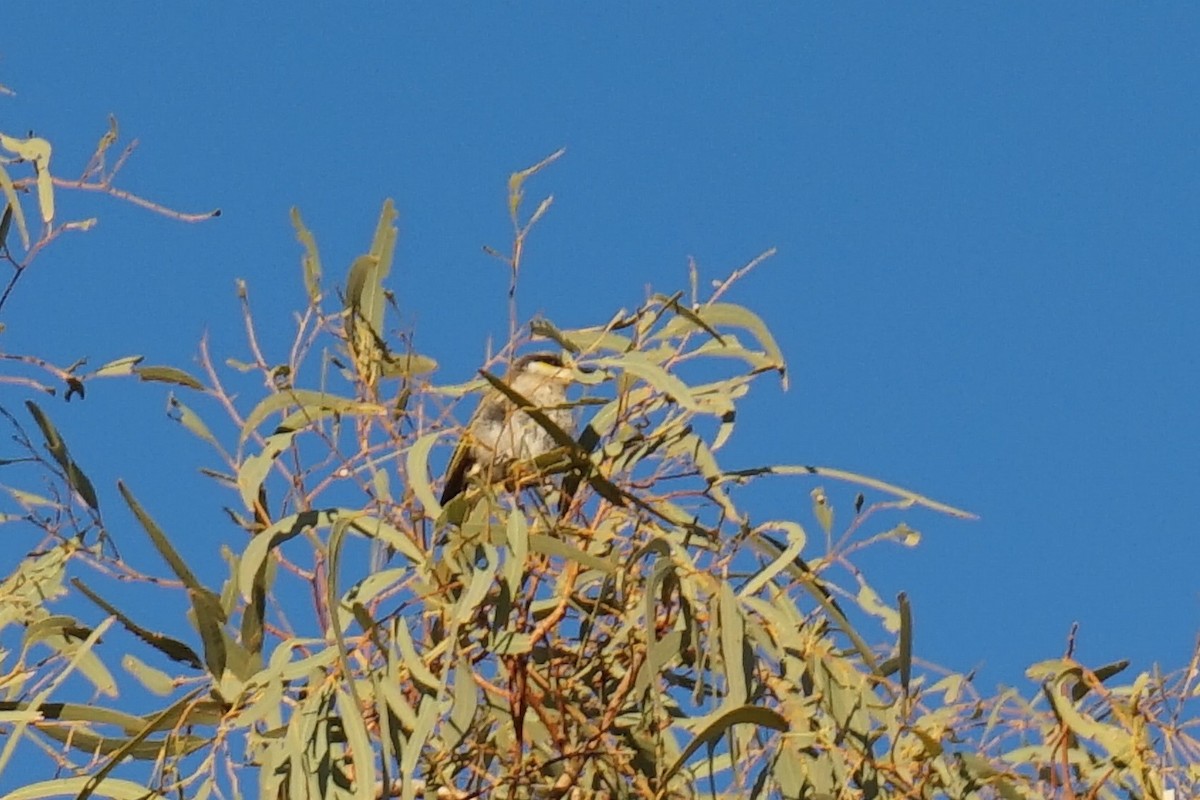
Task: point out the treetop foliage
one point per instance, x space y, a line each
610 622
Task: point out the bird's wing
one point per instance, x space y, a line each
456 473
463 458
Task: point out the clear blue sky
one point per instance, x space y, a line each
987 223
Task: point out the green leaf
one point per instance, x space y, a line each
734 651
160 542
796 541
254 614
412 659
99 777
638 364
171 648
406 365
358 740
311 260
118 367
193 423
311 406
1117 741
715 315
557 548
871 603
375 584
910 497
365 298
464 704
743 715
154 680
58 449
210 620
81 651
416 469
517 533
375 528
5 224
73 787
822 510
37 152
255 554
64 634
589 340
253 470
905 643
1102 674
477 589
174 375
14 206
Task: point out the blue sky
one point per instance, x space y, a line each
986 220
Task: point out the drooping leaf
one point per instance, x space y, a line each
464 704
78 481
416 469
190 420
13 206
905 643
210 621
98 778
36 151
517 535
253 470
822 510
639 365
785 558
742 715
411 659
5 224
714 316
168 646
255 554
732 636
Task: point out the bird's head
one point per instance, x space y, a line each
545 369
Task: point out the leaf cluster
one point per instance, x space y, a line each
609 622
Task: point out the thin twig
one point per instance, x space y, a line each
739 273
130 197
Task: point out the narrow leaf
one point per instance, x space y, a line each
118 367
311 260
193 423
14 206
58 449
253 470
210 618
743 715
160 541
416 469
171 648
174 375
905 640
315 404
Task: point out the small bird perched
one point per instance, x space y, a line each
500 434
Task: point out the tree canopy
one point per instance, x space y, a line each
615 622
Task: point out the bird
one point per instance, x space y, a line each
500 434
